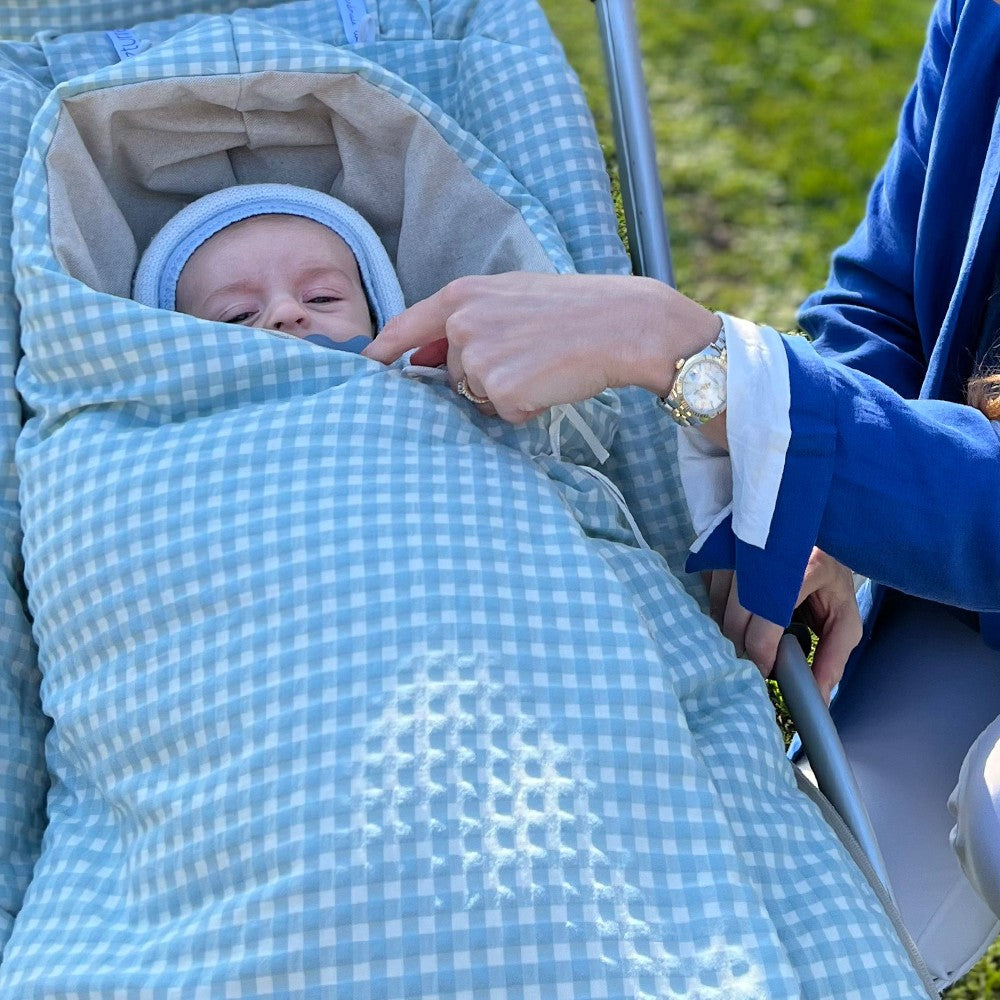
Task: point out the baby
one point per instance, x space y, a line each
276 257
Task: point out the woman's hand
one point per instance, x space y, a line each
826 603
530 341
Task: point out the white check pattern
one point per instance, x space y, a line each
354 693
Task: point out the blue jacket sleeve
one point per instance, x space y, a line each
914 490
903 491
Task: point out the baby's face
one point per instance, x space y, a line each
277 272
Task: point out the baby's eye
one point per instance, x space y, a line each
322 300
239 318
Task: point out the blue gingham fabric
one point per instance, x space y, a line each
22 19
342 689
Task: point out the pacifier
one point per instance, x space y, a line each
354 346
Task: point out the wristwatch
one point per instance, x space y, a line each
698 391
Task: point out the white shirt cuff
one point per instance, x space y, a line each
758 427
707 479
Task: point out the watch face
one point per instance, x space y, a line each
704 386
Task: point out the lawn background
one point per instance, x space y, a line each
771 119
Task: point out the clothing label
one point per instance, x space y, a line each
126 43
359 25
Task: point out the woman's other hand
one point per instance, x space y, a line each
826 603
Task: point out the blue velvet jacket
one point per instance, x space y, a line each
887 469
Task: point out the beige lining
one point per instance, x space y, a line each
123 160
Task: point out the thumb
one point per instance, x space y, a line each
835 644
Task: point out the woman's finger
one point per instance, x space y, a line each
466 384
735 621
838 630
761 643
470 388
720 583
829 607
420 325
755 638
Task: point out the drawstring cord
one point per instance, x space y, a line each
566 411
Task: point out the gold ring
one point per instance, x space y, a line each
463 390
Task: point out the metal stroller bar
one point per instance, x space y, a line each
642 197
822 745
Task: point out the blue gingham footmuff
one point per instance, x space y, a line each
319 683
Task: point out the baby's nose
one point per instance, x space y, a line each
287 315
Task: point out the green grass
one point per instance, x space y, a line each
772 119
